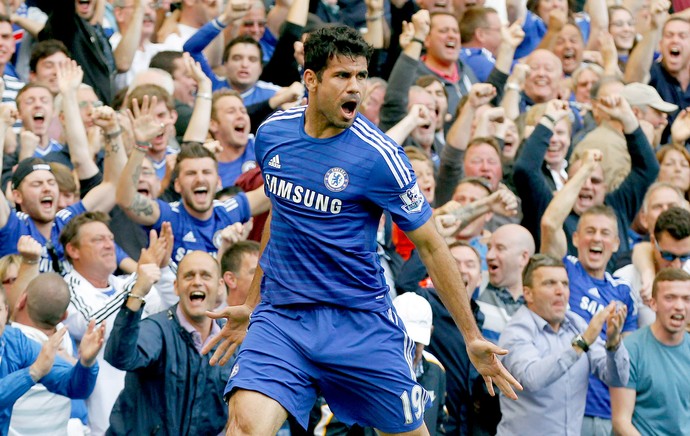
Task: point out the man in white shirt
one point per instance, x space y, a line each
97 294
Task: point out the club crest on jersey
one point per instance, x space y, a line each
412 200
248 165
336 179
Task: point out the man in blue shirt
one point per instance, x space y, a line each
23 363
324 312
197 219
230 126
36 191
592 288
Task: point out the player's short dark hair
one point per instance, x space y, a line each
539 261
669 275
326 43
5 19
600 210
232 258
70 232
675 221
28 86
43 49
242 39
165 60
473 19
152 91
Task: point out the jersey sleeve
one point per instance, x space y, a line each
10 233
394 188
166 214
65 215
237 209
630 324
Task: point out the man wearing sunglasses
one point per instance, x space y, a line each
669 248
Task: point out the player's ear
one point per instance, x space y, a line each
310 80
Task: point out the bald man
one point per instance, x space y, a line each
170 385
543 80
38 314
509 250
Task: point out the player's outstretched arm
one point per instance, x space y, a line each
235 329
444 273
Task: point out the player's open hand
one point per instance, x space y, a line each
483 353
232 334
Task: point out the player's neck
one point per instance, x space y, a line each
317 126
664 336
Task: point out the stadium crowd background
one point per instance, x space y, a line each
545 134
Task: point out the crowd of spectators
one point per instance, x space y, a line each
550 137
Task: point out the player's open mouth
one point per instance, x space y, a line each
674 52
47 202
349 108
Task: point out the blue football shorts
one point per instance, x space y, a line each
360 361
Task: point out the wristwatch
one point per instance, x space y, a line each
579 342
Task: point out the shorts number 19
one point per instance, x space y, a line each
416 404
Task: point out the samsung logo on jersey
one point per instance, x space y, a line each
301 195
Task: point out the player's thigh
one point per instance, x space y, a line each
421 431
253 413
367 376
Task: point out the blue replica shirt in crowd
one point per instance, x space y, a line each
261 91
327 197
53 146
535 29
589 296
481 61
20 224
230 171
17 354
193 234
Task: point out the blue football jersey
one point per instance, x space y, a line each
327 197
193 234
588 296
